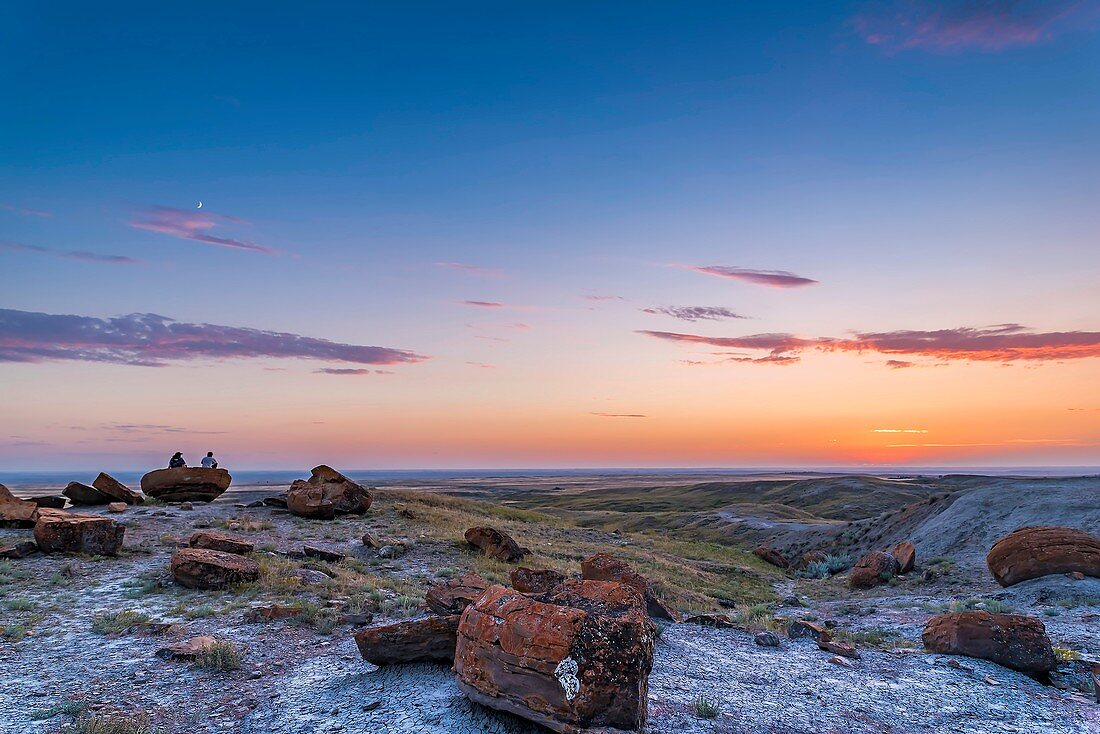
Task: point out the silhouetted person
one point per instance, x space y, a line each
209 462
176 461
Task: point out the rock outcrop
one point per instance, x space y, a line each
574 660
454 595
418 640
326 494
199 568
770 555
82 494
186 484
213 540
495 544
116 490
14 512
1013 640
872 569
1032 552
535 581
64 532
606 567
906 556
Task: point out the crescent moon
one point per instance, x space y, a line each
199 206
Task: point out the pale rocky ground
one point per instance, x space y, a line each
297 680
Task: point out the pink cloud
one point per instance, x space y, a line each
153 341
770 278
960 25
72 254
345 371
1004 343
193 225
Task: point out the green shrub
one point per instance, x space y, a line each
220 657
113 724
814 570
837 564
115 623
706 707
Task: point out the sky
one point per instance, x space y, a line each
506 235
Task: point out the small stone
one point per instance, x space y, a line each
117 507
766 639
186 506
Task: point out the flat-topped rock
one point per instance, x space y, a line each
115 489
418 640
199 568
186 484
82 494
213 540
63 532
1013 640
14 512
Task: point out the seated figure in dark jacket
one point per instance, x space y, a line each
176 461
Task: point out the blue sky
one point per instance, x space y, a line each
933 165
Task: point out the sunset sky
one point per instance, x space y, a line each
493 235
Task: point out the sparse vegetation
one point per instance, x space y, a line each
706 707
838 564
68 708
814 570
1064 654
220 657
117 623
113 724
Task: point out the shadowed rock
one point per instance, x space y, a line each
322 554
495 544
1032 552
770 555
51 501
418 640
574 660
18 550
82 494
326 494
213 540
454 595
14 512
115 489
873 569
186 484
906 556
606 567
535 581
62 532
198 568
1012 640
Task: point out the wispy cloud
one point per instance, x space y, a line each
475 270
696 313
24 211
599 298
482 365
899 364
898 430
346 371
1004 343
963 25
621 415
71 254
149 428
151 340
193 225
482 304
769 278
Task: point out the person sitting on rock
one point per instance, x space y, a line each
209 462
176 461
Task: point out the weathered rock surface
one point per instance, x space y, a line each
199 568
52 501
873 569
606 567
495 544
322 554
213 540
15 512
803 628
63 532
1032 552
575 660
186 484
82 494
116 507
454 595
115 489
18 550
906 556
418 640
326 494
188 649
770 555
1013 640
535 581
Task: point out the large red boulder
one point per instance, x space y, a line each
64 532
115 489
575 660
606 567
213 540
82 494
199 568
906 556
873 569
495 544
186 484
770 555
1012 640
535 581
15 512
1032 552
454 595
326 494
418 640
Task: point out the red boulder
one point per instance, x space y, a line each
199 568
419 640
495 544
770 555
1029 553
873 569
63 532
606 567
326 494
906 556
1012 640
455 594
